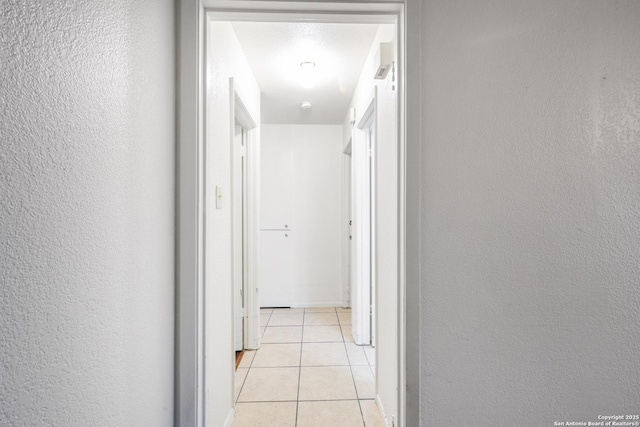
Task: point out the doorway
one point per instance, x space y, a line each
243 210
349 12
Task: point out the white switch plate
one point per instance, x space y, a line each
218 197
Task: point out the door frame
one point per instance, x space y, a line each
241 114
190 197
347 222
362 207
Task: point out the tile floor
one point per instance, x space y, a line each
308 372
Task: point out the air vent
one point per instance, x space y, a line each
385 60
383 71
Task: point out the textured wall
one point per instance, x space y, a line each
86 214
531 219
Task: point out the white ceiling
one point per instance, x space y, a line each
275 50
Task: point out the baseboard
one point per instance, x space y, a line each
387 422
317 304
229 421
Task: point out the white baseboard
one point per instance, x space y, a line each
229 421
385 419
317 304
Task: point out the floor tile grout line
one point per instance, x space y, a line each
353 378
305 366
332 400
252 360
308 342
307 400
286 326
304 312
309 324
277 367
242 386
269 319
248 369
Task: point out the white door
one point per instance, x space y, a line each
276 256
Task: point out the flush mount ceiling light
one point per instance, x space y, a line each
305 105
308 74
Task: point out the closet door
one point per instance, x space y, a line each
276 235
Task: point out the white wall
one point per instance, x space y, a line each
225 60
386 222
531 227
316 219
87 213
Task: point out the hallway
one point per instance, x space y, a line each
308 372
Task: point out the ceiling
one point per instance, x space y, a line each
275 51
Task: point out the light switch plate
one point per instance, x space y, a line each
218 197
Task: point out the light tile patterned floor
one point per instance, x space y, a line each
307 373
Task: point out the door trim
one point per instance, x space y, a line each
189 296
241 113
362 205
189 326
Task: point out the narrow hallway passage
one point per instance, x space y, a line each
308 372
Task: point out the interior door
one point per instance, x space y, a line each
238 236
276 230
